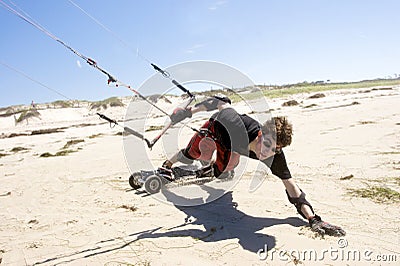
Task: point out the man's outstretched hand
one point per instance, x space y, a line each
324 228
180 114
211 103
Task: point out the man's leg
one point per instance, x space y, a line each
181 156
192 151
225 162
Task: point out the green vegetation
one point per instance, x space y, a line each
211 93
270 91
232 94
27 114
153 128
64 151
131 208
47 131
348 177
104 104
366 122
12 110
72 142
46 154
306 87
290 103
310 106
389 152
59 153
62 104
18 149
275 91
95 136
388 180
377 194
156 97
13 150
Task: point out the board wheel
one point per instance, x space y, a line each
153 184
133 180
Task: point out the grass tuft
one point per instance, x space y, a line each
46 154
64 152
61 104
95 136
366 122
154 128
131 208
18 149
347 177
104 104
377 194
72 142
307 87
59 153
27 114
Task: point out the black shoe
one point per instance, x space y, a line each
166 173
181 172
205 172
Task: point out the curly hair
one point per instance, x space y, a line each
280 129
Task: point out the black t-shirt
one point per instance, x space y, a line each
276 163
235 131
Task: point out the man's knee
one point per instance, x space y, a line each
184 157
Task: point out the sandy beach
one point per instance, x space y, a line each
79 209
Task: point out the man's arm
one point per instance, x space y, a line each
213 103
210 104
294 192
298 198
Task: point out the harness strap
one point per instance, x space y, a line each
298 202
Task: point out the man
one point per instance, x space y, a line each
229 135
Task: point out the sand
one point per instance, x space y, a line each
79 209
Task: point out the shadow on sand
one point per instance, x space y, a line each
221 221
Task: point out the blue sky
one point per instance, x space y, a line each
273 42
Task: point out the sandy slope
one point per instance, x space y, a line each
75 209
